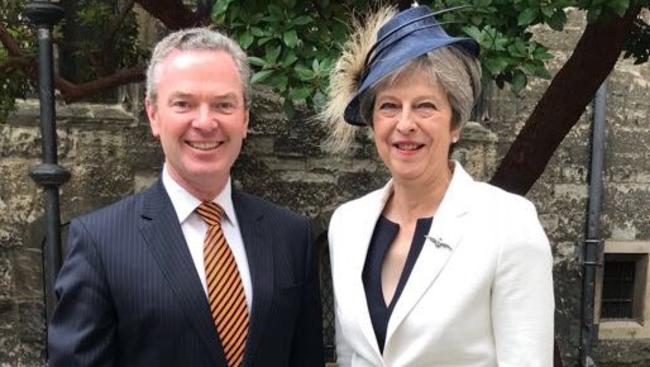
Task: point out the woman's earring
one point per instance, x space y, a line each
454 139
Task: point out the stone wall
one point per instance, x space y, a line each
110 153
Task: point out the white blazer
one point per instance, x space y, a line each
480 293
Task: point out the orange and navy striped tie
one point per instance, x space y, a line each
225 288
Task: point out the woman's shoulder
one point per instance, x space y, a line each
362 203
497 199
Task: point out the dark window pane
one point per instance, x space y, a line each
618 289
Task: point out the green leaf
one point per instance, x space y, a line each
279 83
305 74
496 65
527 16
272 53
300 93
302 20
256 61
473 32
246 39
547 11
290 38
289 59
261 76
257 32
557 20
220 7
263 40
519 81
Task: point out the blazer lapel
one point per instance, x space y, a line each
164 237
257 237
360 237
444 237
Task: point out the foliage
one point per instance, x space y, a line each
293 44
98 51
95 17
13 78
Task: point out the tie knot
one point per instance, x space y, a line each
210 212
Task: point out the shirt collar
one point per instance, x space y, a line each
185 203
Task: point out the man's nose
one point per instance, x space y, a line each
205 118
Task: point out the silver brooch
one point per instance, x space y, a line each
437 242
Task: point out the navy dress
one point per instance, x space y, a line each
383 236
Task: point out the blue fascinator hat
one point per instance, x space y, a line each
406 36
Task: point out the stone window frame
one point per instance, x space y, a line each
625 329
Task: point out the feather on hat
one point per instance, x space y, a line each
346 76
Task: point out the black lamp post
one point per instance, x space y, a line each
48 174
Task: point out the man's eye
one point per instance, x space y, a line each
181 104
225 107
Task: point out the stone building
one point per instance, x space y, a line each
110 153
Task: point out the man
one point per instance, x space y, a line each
190 272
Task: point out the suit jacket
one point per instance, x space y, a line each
129 294
480 292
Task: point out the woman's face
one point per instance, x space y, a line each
413 129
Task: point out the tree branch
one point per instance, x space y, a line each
74 92
172 13
9 42
117 22
558 111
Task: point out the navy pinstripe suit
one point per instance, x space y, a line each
129 295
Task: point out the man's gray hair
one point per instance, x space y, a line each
455 70
197 39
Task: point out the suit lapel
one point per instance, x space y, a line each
258 242
164 237
442 240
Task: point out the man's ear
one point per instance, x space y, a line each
246 119
152 114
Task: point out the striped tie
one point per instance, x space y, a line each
225 287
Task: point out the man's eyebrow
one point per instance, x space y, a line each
179 95
227 95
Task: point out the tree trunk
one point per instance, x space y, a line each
172 13
563 103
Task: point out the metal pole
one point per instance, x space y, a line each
49 174
592 244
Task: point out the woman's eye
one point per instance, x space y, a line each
427 106
388 106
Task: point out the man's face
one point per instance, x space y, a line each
200 117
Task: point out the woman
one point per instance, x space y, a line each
434 269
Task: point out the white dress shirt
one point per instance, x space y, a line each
194 229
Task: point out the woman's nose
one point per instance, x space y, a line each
405 124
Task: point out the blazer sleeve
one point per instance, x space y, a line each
522 293
307 346
83 324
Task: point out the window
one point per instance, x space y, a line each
622 304
622 274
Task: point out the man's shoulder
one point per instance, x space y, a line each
246 201
124 209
